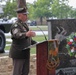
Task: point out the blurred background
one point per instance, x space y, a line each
39 10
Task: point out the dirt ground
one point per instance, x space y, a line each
6 65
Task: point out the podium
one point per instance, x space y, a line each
47 57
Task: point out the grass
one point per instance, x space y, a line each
38 27
38 39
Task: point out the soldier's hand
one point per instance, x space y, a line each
30 33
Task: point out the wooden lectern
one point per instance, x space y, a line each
47 54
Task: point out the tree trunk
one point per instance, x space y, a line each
41 20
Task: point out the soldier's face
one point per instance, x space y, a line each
23 17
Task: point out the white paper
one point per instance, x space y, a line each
34 45
31 46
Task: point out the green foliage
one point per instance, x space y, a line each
43 9
60 8
10 8
72 13
51 8
30 10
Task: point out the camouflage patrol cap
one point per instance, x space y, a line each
21 8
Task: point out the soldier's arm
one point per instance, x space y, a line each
17 34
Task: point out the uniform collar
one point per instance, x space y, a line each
21 21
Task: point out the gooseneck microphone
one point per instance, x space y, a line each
42 32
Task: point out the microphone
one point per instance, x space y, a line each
42 32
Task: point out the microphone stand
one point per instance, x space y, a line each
42 32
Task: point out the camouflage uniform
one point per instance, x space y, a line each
19 42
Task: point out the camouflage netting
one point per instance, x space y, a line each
68 24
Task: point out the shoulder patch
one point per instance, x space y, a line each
15 31
15 25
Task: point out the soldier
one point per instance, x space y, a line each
21 38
